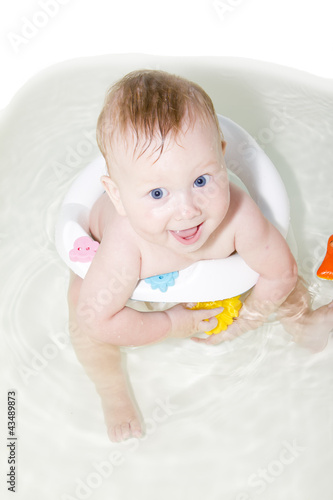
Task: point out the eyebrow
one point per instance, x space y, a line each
209 163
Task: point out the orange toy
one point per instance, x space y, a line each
325 271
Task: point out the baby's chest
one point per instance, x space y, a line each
155 261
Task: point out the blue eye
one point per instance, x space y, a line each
158 193
202 180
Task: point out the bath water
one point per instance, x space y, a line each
249 419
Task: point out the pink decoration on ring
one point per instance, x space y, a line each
84 249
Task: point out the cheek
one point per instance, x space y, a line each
159 211
153 220
212 196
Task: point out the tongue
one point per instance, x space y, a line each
187 233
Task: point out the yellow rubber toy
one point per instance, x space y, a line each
230 311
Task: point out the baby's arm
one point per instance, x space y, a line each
265 250
102 313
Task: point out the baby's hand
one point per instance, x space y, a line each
233 331
186 322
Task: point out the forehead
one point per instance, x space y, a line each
199 139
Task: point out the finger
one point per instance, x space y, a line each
209 313
209 324
211 340
232 332
198 340
216 339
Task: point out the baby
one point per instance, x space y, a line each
168 203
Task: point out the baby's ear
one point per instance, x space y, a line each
113 192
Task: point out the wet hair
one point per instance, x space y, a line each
151 104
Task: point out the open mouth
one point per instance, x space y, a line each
188 236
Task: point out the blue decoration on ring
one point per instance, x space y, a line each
162 281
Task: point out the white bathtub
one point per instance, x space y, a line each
245 420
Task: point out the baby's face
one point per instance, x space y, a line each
178 199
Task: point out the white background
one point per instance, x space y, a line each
39 33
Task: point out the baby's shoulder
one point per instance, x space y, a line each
114 233
118 234
117 253
105 224
242 205
244 214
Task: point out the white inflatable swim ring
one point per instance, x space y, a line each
206 280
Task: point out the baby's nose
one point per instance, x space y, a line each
187 208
